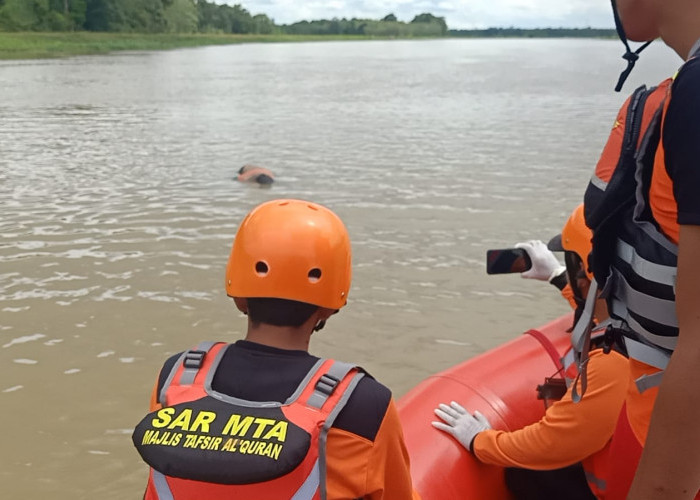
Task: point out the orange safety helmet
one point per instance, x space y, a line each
291 249
576 237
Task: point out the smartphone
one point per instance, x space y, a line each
507 260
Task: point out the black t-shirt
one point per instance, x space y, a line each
681 141
256 372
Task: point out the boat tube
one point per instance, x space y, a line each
501 383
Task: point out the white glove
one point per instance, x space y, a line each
545 265
460 423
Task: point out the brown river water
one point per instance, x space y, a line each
118 208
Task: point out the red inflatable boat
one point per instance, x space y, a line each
501 384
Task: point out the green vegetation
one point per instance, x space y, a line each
55 28
28 45
535 33
422 25
190 16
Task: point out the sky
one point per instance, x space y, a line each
459 14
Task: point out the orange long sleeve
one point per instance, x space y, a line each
379 470
569 432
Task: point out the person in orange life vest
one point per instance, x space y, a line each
569 432
262 418
657 303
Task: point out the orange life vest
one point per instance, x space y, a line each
633 261
203 444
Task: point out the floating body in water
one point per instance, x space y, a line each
258 175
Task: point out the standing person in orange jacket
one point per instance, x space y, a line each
645 218
262 418
545 457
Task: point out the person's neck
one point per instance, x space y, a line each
682 32
281 337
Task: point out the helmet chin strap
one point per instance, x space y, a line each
629 55
320 325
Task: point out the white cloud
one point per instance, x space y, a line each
459 14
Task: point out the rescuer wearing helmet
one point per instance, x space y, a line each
565 454
645 218
575 241
262 418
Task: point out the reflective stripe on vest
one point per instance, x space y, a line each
621 312
161 486
598 182
665 275
647 354
581 342
323 458
642 304
569 359
596 482
310 486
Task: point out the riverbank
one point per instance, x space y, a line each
34 45
29 45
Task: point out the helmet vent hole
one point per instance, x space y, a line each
261 268
314 275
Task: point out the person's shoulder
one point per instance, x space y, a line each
366 407
686 84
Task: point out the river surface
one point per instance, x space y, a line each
118 206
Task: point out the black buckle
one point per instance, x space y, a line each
327 384
613 340
194 359
553 389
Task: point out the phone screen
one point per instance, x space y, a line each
507 260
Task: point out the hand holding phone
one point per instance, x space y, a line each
507 260
545 264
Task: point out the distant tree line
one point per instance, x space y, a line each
422 25
535 33
202 16
191 16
